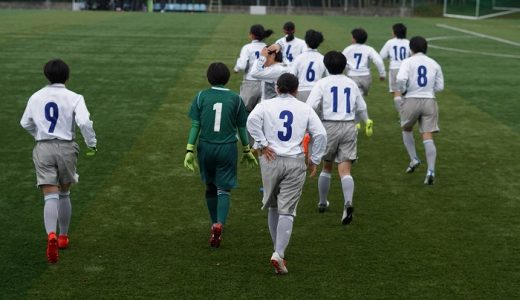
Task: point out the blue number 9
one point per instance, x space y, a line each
51 114
287 116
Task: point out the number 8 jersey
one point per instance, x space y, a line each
420 76
51 113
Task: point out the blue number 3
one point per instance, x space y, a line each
51 114
287 116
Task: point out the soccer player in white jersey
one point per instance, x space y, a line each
396 50
268 68
49 117
339 100
308 66
277 126
290 45
358 57
419 78
250 89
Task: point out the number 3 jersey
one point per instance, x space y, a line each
220 112
51 113
420 77
281 123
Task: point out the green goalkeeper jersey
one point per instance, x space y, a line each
220 112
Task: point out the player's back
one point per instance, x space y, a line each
221 112
309 68
52 112
358 58
249 53
396 50
422 76
291 49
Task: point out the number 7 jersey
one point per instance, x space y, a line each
51 113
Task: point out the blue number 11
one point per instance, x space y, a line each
334 91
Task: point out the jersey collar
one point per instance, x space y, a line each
57 85
219 87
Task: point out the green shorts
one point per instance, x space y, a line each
218 164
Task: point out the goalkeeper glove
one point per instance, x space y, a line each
189 160
248 157
369 127
91 151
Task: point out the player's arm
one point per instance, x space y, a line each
189 160
378 61
27 121
315 96
242 60
254 126
318 136
439 80
247 155
384 51
86 126
362 113
402 76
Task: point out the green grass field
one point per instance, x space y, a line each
140 226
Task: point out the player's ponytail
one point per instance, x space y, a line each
289 28
259 32
268 33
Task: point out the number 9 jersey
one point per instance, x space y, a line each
51 112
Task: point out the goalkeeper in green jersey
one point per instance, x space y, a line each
216 115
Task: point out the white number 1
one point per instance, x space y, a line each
217 107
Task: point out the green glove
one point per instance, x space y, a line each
189 160
91 151
369 129
248 157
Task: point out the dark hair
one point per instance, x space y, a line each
335 62
287 83
56 71
278 56
259 32
399 30
289 30
418 44
360 35
313 38
218 74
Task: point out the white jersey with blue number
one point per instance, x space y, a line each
396 50
281 123
339 97
248 54
292 49
51 113
309 68
358 58
420 77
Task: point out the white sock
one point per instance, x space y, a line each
431 154
347 183
397 103
272 220
64 212
283 234
50 212
324 186
409 143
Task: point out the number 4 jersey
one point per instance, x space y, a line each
220 112
420 77
51 113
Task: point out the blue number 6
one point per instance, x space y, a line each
51 117
287 116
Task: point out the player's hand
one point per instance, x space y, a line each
274 47
190 162
312 169
369 127
91 151
269 153
248 158
382 78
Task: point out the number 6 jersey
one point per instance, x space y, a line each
51 113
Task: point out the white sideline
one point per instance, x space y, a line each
475 52
479 34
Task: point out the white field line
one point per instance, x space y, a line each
475 52
479 35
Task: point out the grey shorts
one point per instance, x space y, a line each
392 80
251 93
283 180
303 95
341 141
363 83
422 110
55 162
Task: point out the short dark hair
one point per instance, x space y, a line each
218 74
313 38
399 30
360 35
259 32
56 71
287 83
289 28
335 62
418 44
278 56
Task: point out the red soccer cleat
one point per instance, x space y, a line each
63 241
216 235
52 248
